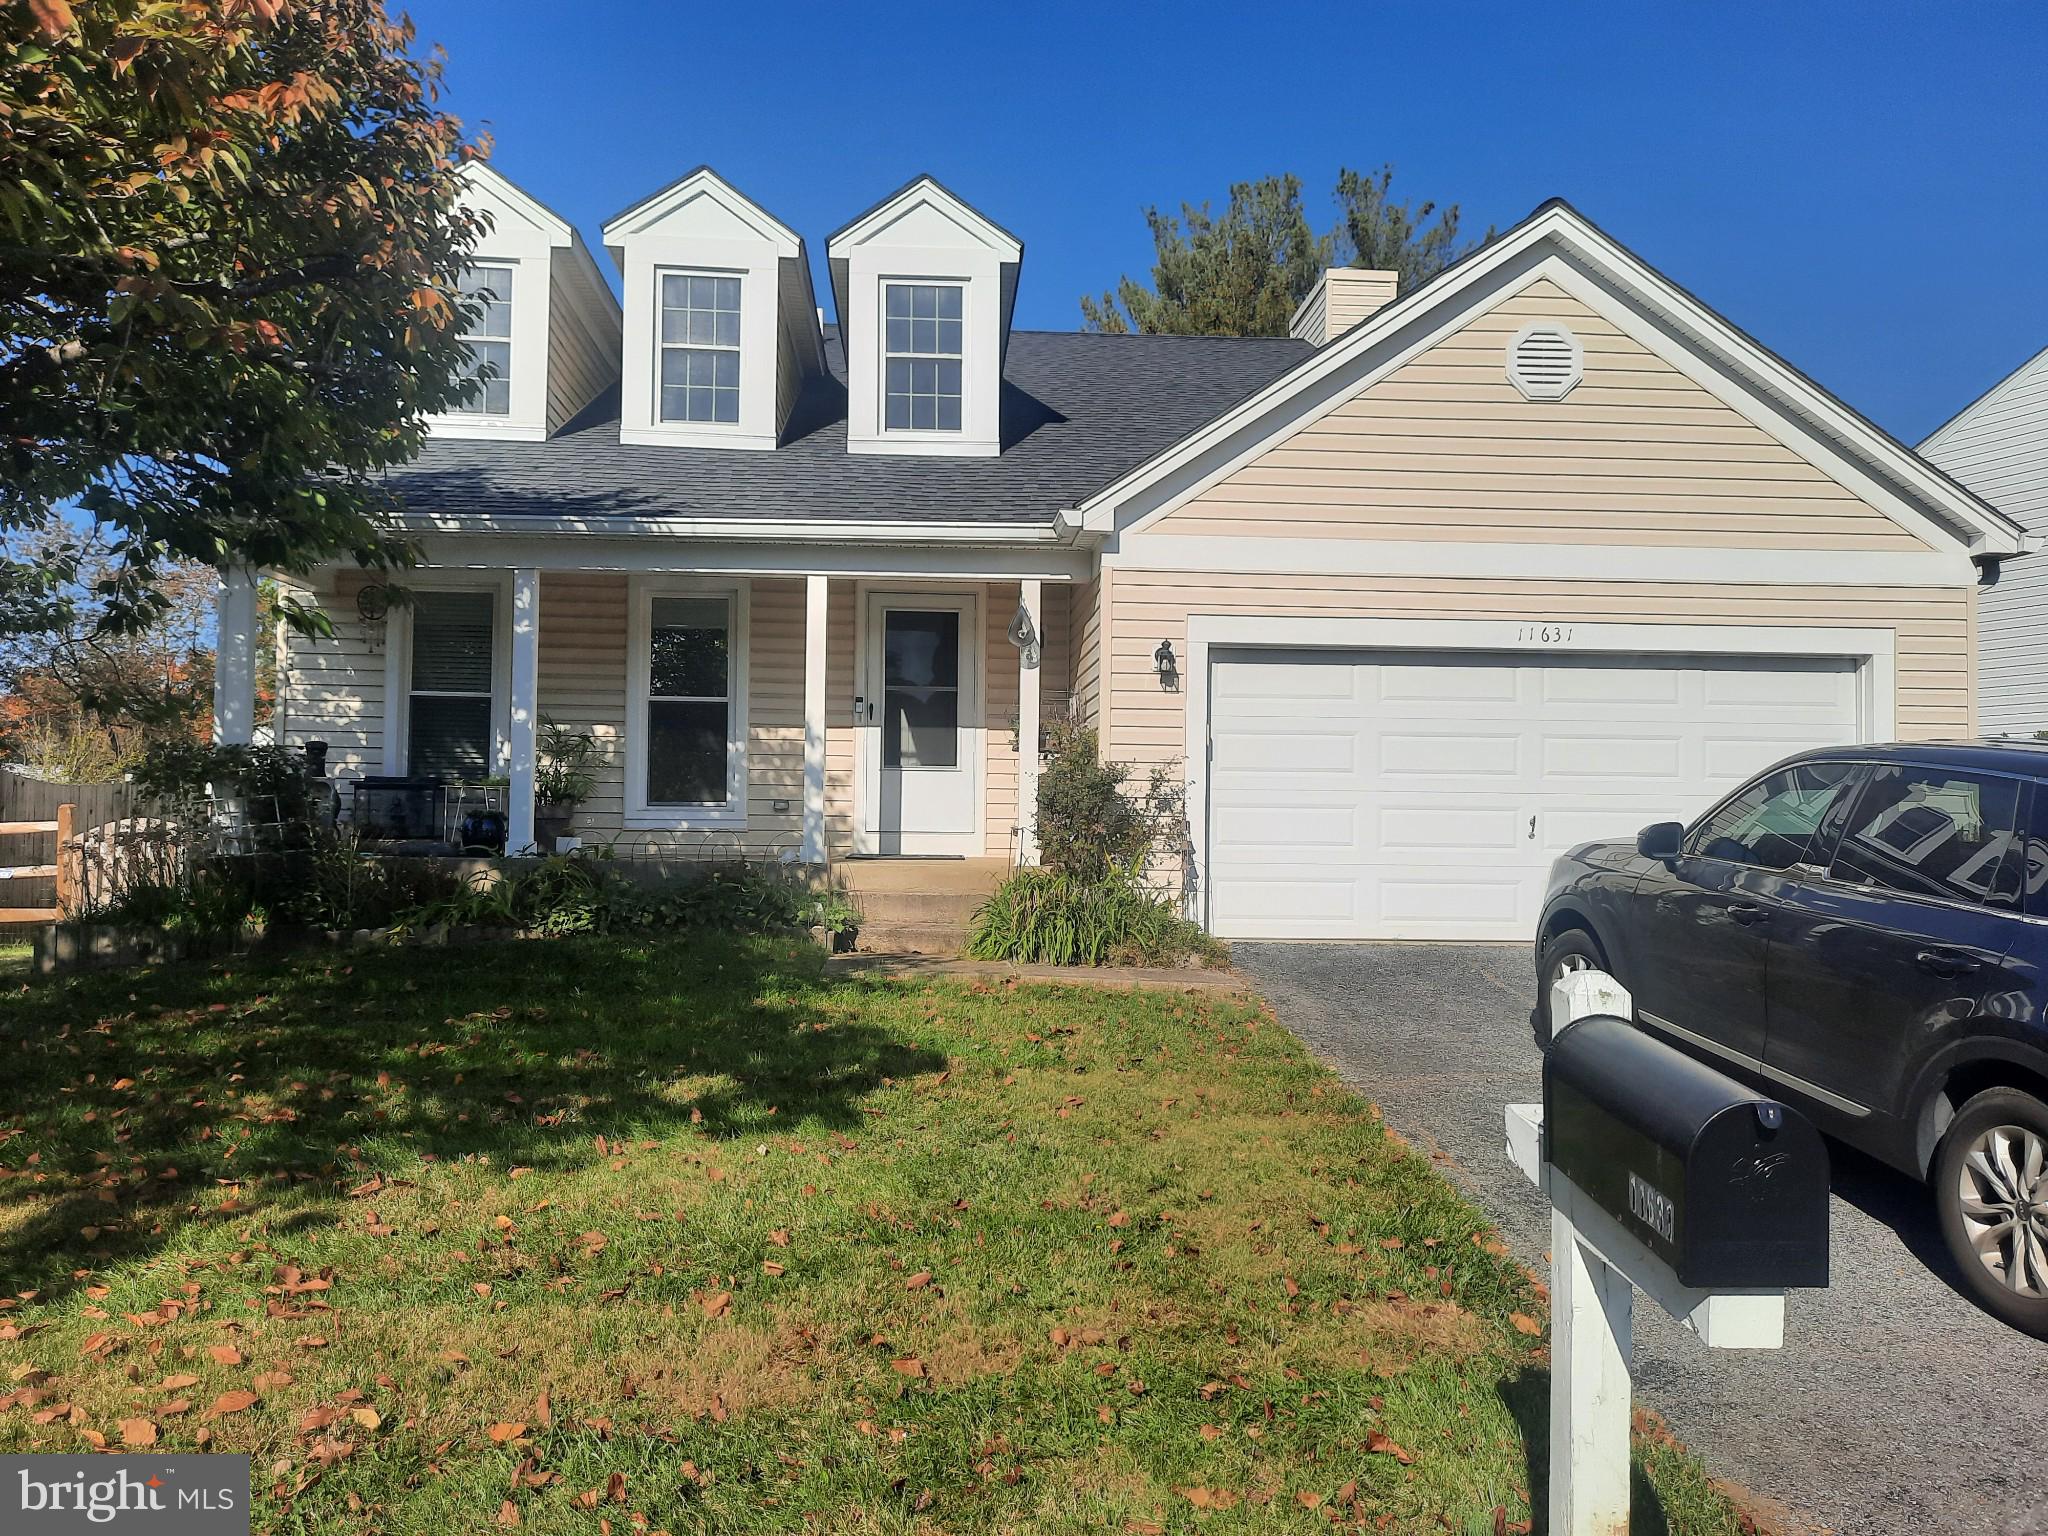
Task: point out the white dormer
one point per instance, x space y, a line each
925 287
721 324
549 328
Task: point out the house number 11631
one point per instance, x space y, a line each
1544 634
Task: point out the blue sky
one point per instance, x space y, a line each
1863 187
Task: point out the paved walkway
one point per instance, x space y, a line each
1897 1408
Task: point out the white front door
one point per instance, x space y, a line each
1423 795
921 737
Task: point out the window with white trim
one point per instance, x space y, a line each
921 356
489 339
692 716
700 347
449 687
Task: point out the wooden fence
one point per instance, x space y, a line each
31 810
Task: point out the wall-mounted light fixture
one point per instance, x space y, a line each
1167 668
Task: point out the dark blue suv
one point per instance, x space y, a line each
1864 933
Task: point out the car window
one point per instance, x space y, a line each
1935 832
1772 823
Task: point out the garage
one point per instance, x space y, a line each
1384 794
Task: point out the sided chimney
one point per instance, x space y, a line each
1341 298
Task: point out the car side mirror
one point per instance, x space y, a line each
1660 841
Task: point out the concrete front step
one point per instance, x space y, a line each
945 908
912 938
975 877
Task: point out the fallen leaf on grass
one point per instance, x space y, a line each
771 1269
1524 1323
369 1418
908 1365
138 1432
1210 1498
176 1383
1381 1445
235 1401
918 1281
501 1432
717 1304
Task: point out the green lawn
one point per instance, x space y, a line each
677 1232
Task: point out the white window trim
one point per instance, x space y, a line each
675 430
639 815
526 380
398 665
510 338
926 434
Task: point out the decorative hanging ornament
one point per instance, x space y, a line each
1024 636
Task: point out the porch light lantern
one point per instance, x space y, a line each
1168 669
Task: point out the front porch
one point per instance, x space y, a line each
738 713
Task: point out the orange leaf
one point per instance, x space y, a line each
1209 1498
501 1432
1120 1219
918 1281
909 1365
1380 1445
53 16
225 1354
234 1402
138 1432
717 1304
508 1513
771 1268
1524 1323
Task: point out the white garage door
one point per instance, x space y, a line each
1423 795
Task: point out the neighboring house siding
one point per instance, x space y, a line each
1932 626
331 689
1999 449
580 365
1445 447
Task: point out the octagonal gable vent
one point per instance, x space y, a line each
1545 361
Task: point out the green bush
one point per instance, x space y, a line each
1045 917
562 895
1089 826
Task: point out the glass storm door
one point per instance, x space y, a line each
923 717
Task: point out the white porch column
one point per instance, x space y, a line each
523 724
1030 595
234 664
816 606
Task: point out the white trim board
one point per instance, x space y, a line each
965 561
1215 555
1558 243
1874 649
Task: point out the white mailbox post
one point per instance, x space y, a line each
1596 1266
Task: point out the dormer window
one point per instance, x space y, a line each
489 339
700 347
925 287
721 333
922 353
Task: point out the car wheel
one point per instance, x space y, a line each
1574 949
1991 1190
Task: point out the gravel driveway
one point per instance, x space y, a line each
1895 1406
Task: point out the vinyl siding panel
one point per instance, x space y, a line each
1085 625
1999 449
331 688
1932 626
580 365
999 716
1445 448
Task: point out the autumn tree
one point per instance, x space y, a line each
229 242
1243 272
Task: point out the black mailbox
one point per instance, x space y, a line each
1727 1187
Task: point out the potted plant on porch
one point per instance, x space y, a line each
565 772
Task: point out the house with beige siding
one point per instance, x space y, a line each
1415 598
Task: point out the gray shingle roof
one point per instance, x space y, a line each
1078 410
